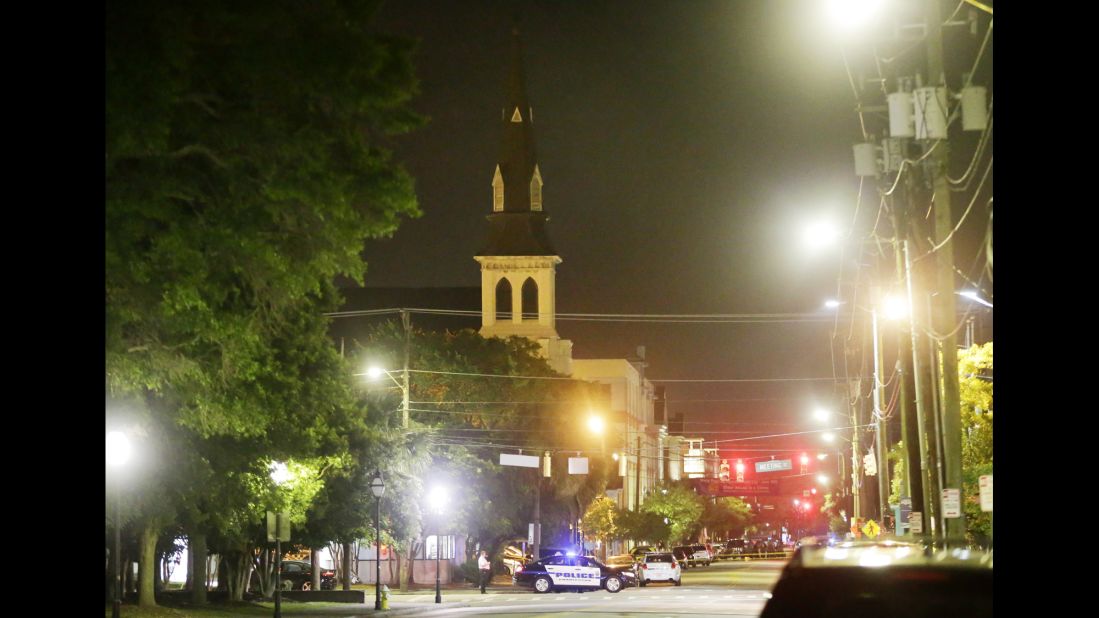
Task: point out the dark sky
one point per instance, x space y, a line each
680 144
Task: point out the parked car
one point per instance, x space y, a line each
701 554
578 573
684 555
298 575
660 567
734 548
882 579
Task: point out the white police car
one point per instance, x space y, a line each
570 572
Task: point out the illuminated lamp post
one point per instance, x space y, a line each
118 453
377 487
437 501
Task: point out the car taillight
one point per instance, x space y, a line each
645 566
674 564
328 573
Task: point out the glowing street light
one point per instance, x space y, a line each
828 436
437 500
819 235
850 15
377 487
894 308
118 453
822 479
595 424
822 414
832 303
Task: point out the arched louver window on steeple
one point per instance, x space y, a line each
530 299
503 300
536 190
497 191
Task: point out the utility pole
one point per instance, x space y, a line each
879 421
406 321
954 531
912 484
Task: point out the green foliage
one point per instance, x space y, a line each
975 384
726 517
599 521
247 160
680 505
896 457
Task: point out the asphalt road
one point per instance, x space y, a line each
722 589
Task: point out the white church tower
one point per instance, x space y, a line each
518 263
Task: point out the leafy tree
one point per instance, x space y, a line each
975 384
246 163
644 527
681 505
726 517
600 520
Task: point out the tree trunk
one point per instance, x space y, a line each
190 566
197 543
316 569
346 566
147 566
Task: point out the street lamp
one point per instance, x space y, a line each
118 453
279 474
437 500
377 487
374 372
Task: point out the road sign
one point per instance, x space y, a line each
523 461
915 522
774 465
278 526
906 508
714 487
985 482
952 503
578 465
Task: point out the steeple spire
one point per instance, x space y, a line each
517 225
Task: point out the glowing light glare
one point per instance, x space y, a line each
894 308
279 473
374 372
821 414
822 479
822 456
614 456
437 498
595 424
739 466
819 234
850 15
832 303
828 436
118 449
874 558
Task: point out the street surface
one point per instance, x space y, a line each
722 589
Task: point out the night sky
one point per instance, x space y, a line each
681 143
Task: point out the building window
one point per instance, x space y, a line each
536 190
530 299
497 191
433 543
503 300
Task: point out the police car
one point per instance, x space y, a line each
572 572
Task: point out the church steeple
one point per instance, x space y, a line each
518 263
517 222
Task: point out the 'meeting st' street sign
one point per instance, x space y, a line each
773 465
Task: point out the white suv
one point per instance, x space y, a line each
659 568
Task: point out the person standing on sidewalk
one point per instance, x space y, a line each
486 569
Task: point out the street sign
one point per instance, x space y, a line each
915 522
906 508
774 465
578 465
952 503
714 487
523 461
278 527
985 483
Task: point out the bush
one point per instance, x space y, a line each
469 571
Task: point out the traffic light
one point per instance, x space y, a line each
739 471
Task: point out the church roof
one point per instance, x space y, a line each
517 234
